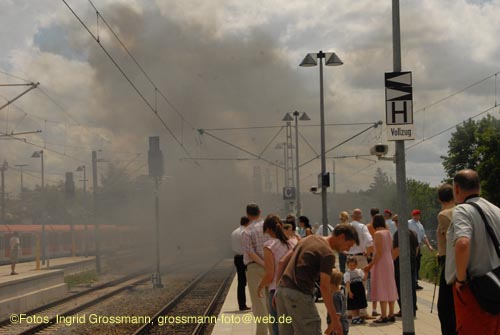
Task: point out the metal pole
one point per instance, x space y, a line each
277 180
96 220
43 172
20 166
44 216
84 181
297 178
404 242
324 210
157 283
3 194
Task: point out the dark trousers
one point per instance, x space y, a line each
342 261
417 265
445 305
242 280
413 286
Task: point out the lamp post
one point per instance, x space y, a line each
21 166
331 60
95 213
3 168
84 180
39 154
303 117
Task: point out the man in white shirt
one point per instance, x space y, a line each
415 225
239 264
470 253
388 222
365 246
14 244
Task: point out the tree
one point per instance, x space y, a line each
476 145
424 197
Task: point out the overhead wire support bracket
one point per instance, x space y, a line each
32 86
11 134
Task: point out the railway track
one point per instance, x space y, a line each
46 316
190 311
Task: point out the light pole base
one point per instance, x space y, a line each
156 280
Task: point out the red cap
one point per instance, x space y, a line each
415 212
387 212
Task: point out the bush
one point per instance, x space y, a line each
429 268
86 277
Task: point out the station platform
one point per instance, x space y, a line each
30 288
426 323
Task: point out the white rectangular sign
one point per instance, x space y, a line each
400 132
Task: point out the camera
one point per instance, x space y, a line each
379 150
314 189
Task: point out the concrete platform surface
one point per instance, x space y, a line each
31 288
425 322
29 268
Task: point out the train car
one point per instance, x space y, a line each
58 240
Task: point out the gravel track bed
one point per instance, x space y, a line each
143 300
196 301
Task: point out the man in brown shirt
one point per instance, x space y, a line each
311 261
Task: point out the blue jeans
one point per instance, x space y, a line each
273 312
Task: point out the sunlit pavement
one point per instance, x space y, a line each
426 323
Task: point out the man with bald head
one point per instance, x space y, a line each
470 253
365 246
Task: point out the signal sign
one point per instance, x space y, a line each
399 106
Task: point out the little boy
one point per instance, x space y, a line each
338 300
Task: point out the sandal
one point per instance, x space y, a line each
381 320
391 318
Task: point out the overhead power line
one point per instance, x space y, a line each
373 125
99 15
459 91
450 128
118 67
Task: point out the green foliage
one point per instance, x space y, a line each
424 197
476 145
429 268
87 277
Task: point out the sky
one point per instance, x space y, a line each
233 64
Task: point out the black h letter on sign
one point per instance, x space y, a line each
394 112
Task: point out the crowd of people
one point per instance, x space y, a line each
285 265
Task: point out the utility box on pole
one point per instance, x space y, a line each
155 166
69 185
155 157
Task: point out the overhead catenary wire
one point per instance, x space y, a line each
305 125
202 131
271 141
458 92
141 95
138 65
450 128
43 147
373 125
308 143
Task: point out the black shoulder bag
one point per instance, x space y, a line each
486 288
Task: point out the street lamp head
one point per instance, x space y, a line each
309 61
304 117
287 117
36 154
80 168
333 60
